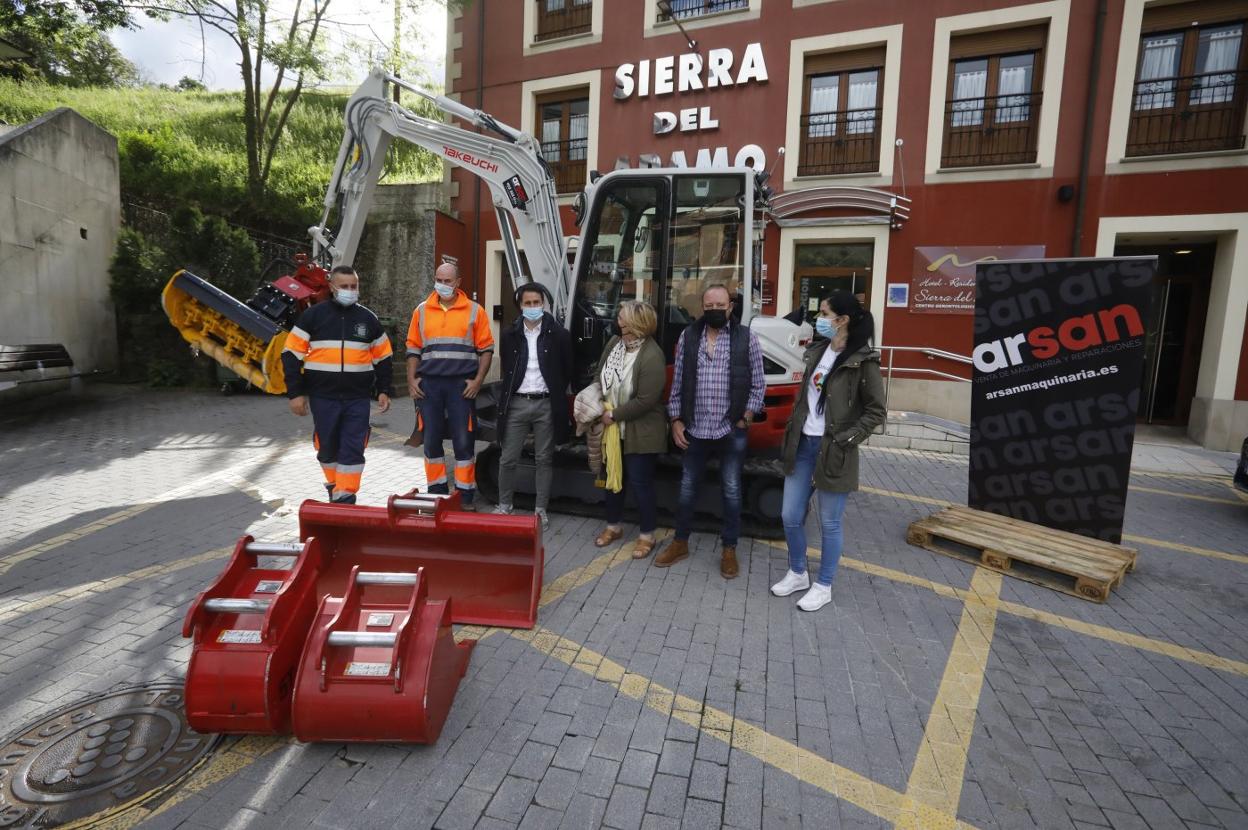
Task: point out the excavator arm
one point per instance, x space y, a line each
509 162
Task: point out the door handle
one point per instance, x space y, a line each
587 327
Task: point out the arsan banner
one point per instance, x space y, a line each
1058 359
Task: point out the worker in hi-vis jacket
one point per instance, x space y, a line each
336 358
449 349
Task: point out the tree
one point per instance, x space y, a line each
188 84
265 41
66 42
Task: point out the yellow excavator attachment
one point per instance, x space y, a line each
231 333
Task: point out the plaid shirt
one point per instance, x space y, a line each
710 409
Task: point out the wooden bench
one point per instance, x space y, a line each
1078 565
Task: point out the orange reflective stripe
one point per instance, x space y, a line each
316 442
350 357
466 473
297 341
331 473
348 482
435 472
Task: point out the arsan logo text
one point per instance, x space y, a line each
1074 334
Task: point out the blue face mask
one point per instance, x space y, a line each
532 313
346 296
444 291
825 327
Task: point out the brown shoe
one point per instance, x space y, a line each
608 536
673 553
728 562
642 548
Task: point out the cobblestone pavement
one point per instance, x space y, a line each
928 694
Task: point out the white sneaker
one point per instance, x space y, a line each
541 514
792 582
503 510
817 597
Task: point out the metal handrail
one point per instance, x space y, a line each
930 353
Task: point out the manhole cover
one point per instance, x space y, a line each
96 755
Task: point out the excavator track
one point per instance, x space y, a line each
574 490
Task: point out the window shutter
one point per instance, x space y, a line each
999 42
845 60
1183 15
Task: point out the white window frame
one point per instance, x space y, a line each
652 27
877 235
594 35
1117 161
591 80
1057 14
887 36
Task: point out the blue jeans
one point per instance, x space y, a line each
638 480
444 409
731 452
797 489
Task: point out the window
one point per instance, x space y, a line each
1190 80
993 100
562 18
707 248
840 120
683 9
563 130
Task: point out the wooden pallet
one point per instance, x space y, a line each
1078 565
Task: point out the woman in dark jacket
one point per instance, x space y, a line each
841 402
632 372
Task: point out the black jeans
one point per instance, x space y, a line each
639 480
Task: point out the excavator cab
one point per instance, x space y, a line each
661 236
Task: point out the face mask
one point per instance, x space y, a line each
444 291
825 327
346 296
532 313
716 318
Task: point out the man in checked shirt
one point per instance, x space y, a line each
717 390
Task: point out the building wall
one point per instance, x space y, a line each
60 213
1007 205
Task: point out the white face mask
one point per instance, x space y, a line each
444 291
346 296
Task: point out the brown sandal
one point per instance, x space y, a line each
607 537
642 548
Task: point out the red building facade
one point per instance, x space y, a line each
1058 128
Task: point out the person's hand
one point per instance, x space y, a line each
383 403
413 388
678 435
471 388
299 405
607 420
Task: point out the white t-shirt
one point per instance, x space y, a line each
533 383
814 390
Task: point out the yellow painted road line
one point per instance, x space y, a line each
806 766
245 752
1179 495
940 766
1147 540
1102 632
13 610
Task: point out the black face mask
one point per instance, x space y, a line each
716 318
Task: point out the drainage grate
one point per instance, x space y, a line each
97 755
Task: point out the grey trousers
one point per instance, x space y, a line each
523 415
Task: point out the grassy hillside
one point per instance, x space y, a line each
187 148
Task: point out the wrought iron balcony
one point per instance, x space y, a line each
997 129
567 163
847 141
684 9
569 18
1193 114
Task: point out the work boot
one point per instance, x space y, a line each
344 498
728 562
329 491
673 553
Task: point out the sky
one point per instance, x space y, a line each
167 51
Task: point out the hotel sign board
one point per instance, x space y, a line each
943 281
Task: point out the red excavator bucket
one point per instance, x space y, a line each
249 629
380 663
490 566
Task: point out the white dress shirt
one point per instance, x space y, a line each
533 383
